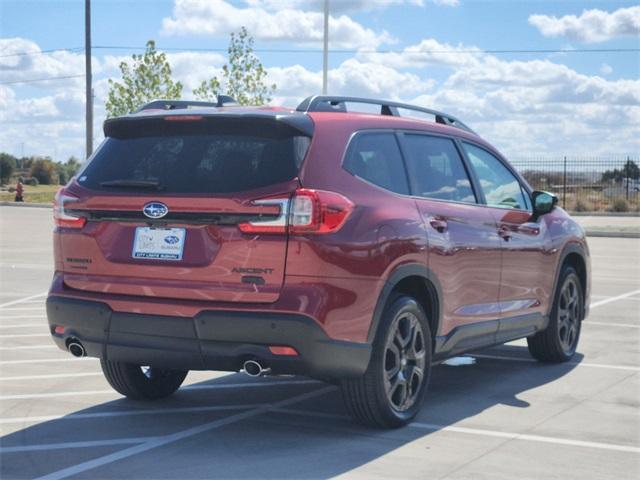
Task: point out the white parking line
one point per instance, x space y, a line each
87 444
577 364
25 335
126 413
22 300
53 375
24 309
24 325
482 432
47 360
613 299
181 435
188 387
14 317
607 324
29 347
527 437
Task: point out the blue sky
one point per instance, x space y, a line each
525 103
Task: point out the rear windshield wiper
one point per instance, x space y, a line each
124 183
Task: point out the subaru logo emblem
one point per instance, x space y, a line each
171 239
155 210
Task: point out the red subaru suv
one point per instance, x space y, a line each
356 248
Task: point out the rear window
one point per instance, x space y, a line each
203 156
376 158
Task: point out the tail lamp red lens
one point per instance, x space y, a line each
306 211
61 217
283 350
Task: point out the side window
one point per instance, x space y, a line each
500 187
438 169
376 158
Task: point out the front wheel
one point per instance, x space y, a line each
559 341
392 389
140 382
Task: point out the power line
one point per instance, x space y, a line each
40 52
344 51
449 51
41 79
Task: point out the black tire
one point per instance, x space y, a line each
371 399
142 383
558 342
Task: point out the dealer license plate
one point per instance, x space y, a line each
159 243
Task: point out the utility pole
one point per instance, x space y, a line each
88 80
325 51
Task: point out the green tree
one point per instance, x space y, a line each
147 79
243 76
629 170
7 167
67 170
44 170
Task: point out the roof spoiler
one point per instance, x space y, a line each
329 103
223 101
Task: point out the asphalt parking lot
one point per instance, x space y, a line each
503 417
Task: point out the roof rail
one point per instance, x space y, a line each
223 101
329 103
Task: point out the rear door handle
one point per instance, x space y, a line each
439 224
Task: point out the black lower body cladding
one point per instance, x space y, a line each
212 340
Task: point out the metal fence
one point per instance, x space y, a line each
586 184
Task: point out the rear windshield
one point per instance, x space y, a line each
205 156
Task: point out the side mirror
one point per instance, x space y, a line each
543 202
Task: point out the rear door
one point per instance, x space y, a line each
464 248
166 199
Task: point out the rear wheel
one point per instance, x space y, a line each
142 382
392 389
558 342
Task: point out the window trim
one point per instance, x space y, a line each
412 183
524 186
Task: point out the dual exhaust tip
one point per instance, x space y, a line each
253 368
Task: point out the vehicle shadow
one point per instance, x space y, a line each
308 438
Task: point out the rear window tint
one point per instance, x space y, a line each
376 158
197 157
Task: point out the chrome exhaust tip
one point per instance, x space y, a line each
75 348
253 368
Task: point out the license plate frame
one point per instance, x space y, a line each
159 243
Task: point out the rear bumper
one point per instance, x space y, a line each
211 340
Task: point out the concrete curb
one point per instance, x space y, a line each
604 214
597 233
5 203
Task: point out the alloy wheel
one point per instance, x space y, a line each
404 361
569 315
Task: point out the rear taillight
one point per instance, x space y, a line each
306 211
60 216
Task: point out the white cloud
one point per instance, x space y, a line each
342 5
428 52
606 69
591 26
217 17
522 107
15 67
352 77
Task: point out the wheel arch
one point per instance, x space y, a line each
419 282
573 255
